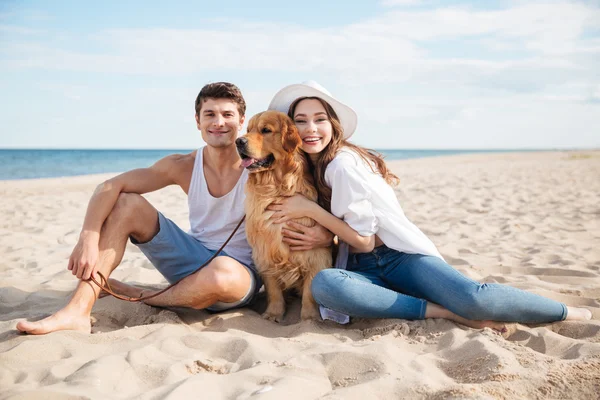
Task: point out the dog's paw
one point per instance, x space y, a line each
310 314
273 316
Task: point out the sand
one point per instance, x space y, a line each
531 220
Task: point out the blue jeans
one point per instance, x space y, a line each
386 283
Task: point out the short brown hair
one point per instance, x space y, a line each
221 90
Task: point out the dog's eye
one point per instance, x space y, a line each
265 130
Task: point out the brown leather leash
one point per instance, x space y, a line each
106 286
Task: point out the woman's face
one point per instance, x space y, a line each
313 126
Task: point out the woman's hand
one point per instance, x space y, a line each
296 206
301 237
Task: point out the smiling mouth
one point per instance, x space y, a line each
311 140
253 163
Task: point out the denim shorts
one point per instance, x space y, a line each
176 254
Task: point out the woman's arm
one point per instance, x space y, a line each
362 244
299 206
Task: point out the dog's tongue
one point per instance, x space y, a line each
246 162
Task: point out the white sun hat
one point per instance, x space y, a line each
286 96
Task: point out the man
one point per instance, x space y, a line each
214 180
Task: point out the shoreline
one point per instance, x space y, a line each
585 153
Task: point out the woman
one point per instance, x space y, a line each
389 268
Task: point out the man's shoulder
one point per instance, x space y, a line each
180 161
178 167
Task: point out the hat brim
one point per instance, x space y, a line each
286 96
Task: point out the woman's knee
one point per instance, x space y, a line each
474 305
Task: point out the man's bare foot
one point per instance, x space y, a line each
61 321
578 314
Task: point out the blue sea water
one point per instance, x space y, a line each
29 164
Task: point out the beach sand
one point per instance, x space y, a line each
530 220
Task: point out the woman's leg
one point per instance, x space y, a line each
433 279
363 295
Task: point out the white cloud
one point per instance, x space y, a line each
394 44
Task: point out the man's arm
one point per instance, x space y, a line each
163 173
140 181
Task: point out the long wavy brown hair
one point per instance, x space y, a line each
371 157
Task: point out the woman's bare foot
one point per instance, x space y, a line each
578 314
495 325
436 311
64 319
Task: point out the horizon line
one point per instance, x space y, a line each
376 149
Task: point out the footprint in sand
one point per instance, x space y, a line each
466 251
234 352
455 261
474 368
214 367
560 261
348 369
563 341
68 238
579 330
532 250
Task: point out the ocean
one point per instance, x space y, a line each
33 164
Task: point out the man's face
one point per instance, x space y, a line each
219 121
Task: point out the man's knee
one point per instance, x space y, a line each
227 277
126 204
135 216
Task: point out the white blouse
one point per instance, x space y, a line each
364 200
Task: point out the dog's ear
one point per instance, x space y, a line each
253 121
289 135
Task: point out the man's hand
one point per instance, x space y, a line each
84 257
301 237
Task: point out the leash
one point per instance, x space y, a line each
106 286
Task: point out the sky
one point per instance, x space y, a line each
421 74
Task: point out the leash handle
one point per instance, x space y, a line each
104 285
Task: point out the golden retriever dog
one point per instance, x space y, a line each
270 151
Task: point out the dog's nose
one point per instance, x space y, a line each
241 142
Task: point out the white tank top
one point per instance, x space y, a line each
213 219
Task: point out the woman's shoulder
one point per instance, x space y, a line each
345 157
347 162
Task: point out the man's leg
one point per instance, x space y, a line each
132 215
223 280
